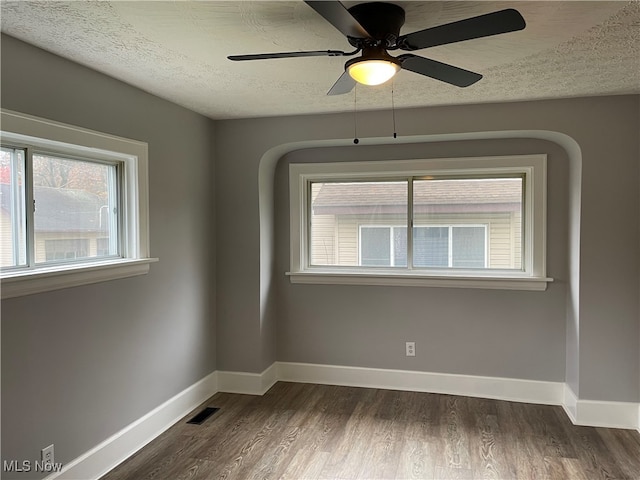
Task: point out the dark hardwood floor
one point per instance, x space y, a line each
303 431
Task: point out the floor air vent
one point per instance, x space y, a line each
203 415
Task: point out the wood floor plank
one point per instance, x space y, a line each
489 451
305 464
454 434
243 463
160 459
555 469
452 473
623 448
526 456
417 460
573 469
382 457
304 431
229 441
346 456
194 470
595 458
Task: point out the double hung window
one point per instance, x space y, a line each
73 206
75 209
449 222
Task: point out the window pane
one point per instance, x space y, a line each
340 211
468 247
103 245
375 243
66 249
400 246
13 245
470 202
76 209
431 246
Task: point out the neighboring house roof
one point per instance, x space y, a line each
63 209
433 196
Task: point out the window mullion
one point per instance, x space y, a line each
30 206
113 218
410 223
486 246
450 246
307 232
16 206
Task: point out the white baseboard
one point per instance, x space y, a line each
570 403
248 383
108 454
581 412
597 413
530 391
600 413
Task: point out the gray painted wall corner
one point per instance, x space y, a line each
101 356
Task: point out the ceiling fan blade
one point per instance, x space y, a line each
343 85
495 23
440 71
337 15
313 53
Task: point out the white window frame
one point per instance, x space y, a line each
53 137
531 277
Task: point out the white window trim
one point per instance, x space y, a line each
58 137
534 222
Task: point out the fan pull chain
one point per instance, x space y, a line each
355 115
393 110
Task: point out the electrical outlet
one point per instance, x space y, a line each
46 455
411 349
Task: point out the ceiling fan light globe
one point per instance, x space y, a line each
372 72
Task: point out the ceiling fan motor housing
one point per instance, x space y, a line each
372 53
381 20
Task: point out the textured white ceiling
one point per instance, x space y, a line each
177 50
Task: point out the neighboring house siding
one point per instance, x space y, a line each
6 232
348 239
516 232
503 235
323 245
42 237
6 237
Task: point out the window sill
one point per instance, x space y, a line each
538 284
21 283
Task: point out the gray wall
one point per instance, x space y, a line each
523 334
82 363
463 331
610 225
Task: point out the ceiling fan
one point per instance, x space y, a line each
374 28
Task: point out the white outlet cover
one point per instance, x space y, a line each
411 349
47 454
